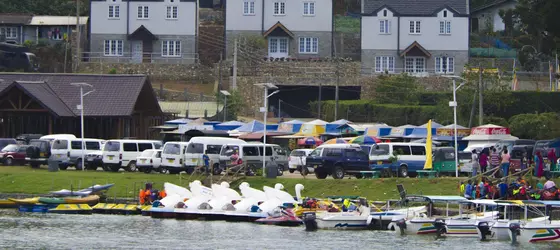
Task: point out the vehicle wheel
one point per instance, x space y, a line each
216 170
403 171
79 164
163 170
106 167
62 167
292 171
147 170
131 167
35 165
280 170
338 172
304 170
320 174
9 161
115 168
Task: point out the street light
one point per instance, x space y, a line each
226 94
264 109
81 108
454 105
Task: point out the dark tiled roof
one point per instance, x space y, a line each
114 95
416 7
15 19
490 4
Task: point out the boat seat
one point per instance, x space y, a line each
426 173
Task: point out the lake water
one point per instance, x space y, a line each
53 231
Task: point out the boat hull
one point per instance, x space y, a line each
342 221
162 213
539 235
8 204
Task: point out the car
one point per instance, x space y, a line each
94 160
38 152
296 160
338 160
7 141
13 154
149 160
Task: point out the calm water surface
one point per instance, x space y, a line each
52 231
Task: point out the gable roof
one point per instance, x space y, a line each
416 45
15 18
42 93
253 126
141 33
114 95
281 28
490 4
415 7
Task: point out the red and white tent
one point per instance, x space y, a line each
487 135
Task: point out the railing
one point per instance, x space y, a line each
100 57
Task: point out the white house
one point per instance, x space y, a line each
419 37
292 28
143 31
488 15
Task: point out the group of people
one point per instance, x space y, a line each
484 161
519 189
148 195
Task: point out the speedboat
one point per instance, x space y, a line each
383 220
281 217
356 220
537 231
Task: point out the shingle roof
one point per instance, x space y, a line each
114 95
415 7
15 18
489 4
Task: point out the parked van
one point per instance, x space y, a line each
410 157
337 160
57 136
252 155
39 150
173 156
209 145
119 154
69 151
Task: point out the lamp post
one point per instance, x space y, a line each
264 109
226 94
81 108
454 105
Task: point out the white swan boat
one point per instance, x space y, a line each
175 194
188 210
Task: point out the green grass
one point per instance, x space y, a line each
346 24
40 181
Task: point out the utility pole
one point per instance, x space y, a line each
320 90
78 39
234 80
480 100
279 108
336 89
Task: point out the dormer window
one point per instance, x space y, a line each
384 13
445 13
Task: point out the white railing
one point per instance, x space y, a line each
100 57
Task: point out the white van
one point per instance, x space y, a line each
410 157
251 154
69 151
209 145
119 154
57 136
173 156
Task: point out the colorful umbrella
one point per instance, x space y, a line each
365 139
335 141
310 141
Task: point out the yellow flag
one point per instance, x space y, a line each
428 164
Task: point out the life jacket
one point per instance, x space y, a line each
462 189
477 191
142 197
162 194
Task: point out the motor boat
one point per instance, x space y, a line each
382 220
543 230
355 220
281 217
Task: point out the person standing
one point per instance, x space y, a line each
539 164
552 158
494 159
483 161
474 162
505 162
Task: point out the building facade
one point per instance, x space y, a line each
291 28
487 17
143 31
12 27
54 29
420 37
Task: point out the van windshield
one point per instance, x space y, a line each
172 149
60 144
112 146
380 150
228 150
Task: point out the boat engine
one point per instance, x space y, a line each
309 219
402 225
484 229
515 229
439 224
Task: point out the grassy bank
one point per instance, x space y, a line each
40 181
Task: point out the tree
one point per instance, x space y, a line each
538 19
44 7
235 104
535 126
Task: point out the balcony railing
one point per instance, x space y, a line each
157 58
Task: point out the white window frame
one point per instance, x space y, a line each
415 27
309 7
449 65
114 12
171 48
385 63
113 47
279 8
10 32
415 69
143 12
445 27
172 12
310 45
384 27
249 8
